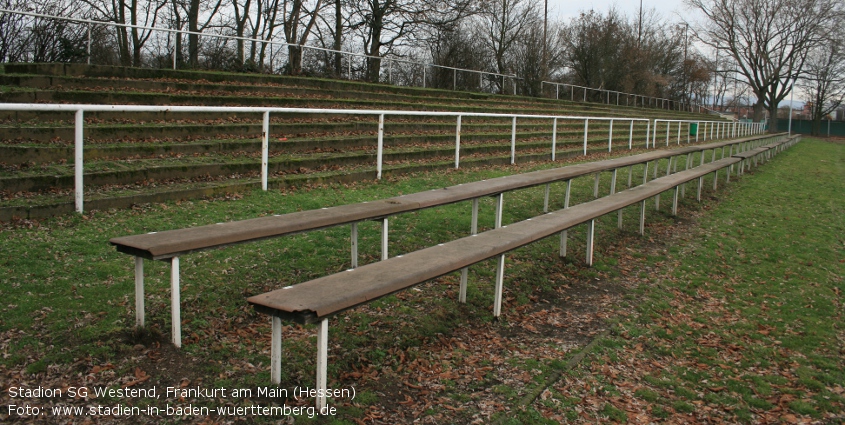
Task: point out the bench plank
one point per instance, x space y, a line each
173 243
323 297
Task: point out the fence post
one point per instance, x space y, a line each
78 166
265 150
554 138
458 143
586 130
513 141
610 137
380 149
454 79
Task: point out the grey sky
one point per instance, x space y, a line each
565 9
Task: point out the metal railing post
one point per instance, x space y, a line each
265 149
380 149
586 131
458 143
513 141
78 165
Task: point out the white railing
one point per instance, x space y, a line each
608 97
490 76
80 110
716 129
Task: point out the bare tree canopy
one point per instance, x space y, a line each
823 82
768 39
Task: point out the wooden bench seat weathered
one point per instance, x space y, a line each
170 245
318 300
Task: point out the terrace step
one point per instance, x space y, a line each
184 153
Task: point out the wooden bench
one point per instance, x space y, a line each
318 300
172 244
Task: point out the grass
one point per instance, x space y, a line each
746 324
68 307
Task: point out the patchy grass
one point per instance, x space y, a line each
743 322
68 312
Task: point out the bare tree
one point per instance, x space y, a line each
823 82
384 23
768 39
503 23
298 24
194 9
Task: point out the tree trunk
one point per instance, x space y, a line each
773 118
295 59
338 38
193 38
374 62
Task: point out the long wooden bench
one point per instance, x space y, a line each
318 300
172 244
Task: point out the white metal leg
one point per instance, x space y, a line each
715 179
591 230
596 186
175 303
500 203
642 218
462 294
139 292
675 200
500 277
698 194
276 351
322 362
613 182
384 236
354 239
546 198
564 234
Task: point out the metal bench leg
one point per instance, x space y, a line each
619 219
700 183
462 293
596 186
675 200
564 235
276 351
645 173
591 230
175 304
642 218
500 277
715 179
728 174
322 362
139 292
630 175
613 182
384 239
500 204
546 199
354 239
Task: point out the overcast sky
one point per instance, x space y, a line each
565 9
